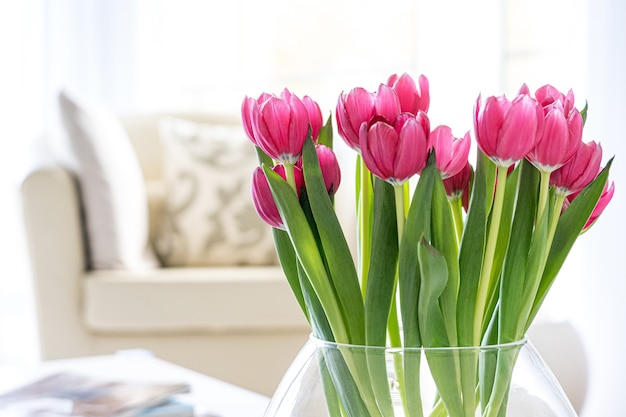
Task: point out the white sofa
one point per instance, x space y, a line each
239 324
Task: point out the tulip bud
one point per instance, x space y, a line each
331 172
451 153
458 185
603 201
412 99
359 106
395 152
353 109
548 94
262 195
507 130
562 130
579 171
280 125
246 114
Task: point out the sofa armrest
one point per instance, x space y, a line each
57 253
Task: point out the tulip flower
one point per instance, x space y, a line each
579 171
451 153
262 195
458 190
506 131
359 106
605 199
548 94
457 185
395 152
562 130
331 172
246 108
412 99
279 125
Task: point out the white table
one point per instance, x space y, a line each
211 397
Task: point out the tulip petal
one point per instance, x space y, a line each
412 151
387 104
520 129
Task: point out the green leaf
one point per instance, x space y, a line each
382 270
570 225
289 264
326 133
434 277
443 366
417 224
472 247
444 239
584 111
263 158
306 249
335 248
517 257
318 321
348 383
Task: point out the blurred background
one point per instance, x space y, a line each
140 56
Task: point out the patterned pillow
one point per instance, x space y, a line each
209 218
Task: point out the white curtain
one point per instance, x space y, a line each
21 125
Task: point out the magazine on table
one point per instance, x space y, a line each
72 394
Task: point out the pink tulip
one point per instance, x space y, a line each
359 106
562 130
579 171
548 94
354 109
605 199
279 125
395 152
331 172
412 99
451 152
458 184
603 202
315 116
262 195
246 109
507 130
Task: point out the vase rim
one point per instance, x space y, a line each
508 345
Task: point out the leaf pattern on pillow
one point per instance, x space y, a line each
209 218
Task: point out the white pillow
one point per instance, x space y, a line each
111 184
209 218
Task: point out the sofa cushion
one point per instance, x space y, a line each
111 185
167 300
208 217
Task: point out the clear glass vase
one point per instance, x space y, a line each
337 380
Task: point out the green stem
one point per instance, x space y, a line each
544 190
364 224
400 218
556 214
484 283
290 175
456 204
393 325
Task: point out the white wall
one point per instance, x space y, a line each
600 309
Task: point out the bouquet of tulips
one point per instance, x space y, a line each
463 258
